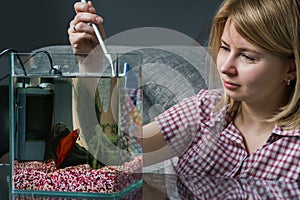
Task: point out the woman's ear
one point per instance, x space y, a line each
292 71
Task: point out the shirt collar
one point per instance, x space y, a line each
219 118
284 132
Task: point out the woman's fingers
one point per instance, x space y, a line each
81 34
87 18
84 7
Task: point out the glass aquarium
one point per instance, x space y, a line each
76 124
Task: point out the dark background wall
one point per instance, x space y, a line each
31 24
28 25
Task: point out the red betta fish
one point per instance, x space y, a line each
65 145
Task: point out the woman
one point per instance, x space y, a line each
251 129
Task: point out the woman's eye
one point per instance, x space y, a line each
224 48
250 58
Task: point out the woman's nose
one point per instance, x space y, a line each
228 66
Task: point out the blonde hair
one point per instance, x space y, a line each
272 25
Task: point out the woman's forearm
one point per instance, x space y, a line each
155 148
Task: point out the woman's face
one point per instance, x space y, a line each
248 73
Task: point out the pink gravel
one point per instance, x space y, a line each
43 176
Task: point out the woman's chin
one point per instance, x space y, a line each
234 96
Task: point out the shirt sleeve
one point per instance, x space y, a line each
180 124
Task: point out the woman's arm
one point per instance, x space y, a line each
84 40
155 148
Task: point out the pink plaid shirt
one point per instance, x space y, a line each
226 188
207 142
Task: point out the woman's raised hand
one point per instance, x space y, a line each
81 34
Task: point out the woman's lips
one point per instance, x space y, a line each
229 85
